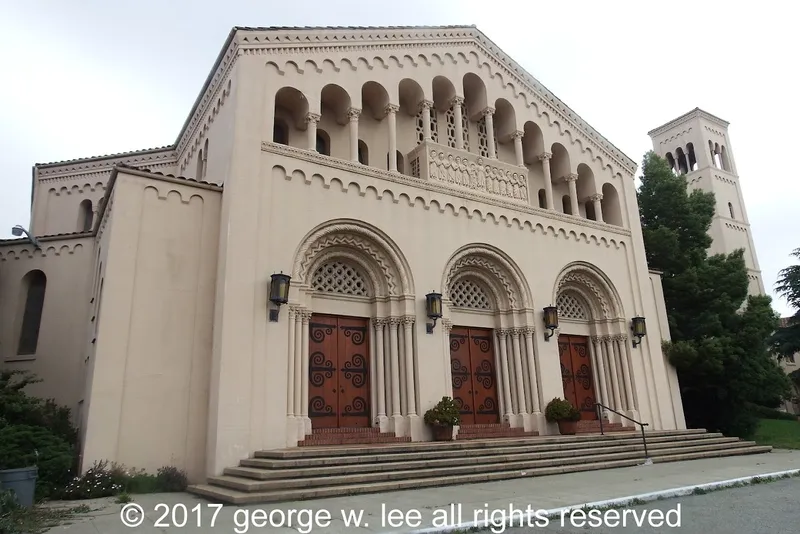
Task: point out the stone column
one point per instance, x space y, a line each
517 137
380 374
548 181
612 365
391 114
498 369
532 370
598 206
621 356
502 334
425 108
411 401
304 374
601 370
572 180
595 372
488 115
311 129
298 368
395 371
515 347
457 102
447 326
353 114
290 366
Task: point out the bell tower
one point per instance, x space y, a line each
697 144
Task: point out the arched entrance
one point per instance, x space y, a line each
489 323
352 362
592 341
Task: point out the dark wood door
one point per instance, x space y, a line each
338 372
576 374
473 375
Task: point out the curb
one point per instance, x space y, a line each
619 501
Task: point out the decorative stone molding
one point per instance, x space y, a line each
595 198
586 277
517 134
503 333
394 322
529 330
487 111
379 322
312 117
460 168
431 186
457 101
408 320
545 156
425 105
353 114
447 325
391 108
571 177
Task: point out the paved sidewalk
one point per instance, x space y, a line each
541 493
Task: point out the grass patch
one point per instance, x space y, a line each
781 434
18 520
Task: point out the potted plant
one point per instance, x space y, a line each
562 411
442 418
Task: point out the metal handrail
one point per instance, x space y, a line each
598 405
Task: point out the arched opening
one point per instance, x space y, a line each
85 215
559 163
589 208
726 164
34 284
291 109
586 190
542 198
409 118
680 159
566 207
204 161
400 162
443 94
323 143
363 153
334 105
671 162
692 157
610 205
475 102
198 174
505 124
532 144
372 123
280 132
730 209
716 151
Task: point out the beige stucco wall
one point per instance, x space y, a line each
58 360
149 396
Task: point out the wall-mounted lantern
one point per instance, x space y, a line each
550 321
433 308
278 293
638 329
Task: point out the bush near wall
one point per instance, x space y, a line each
770 413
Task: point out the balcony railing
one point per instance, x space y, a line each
459 168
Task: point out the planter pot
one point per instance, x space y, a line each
567 428
442 433
22 482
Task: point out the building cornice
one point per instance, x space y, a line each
696 113
161 155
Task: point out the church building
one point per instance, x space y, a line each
351 224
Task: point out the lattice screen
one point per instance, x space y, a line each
465 126
570 307
340 277
483 138
450 117
465 293
434 126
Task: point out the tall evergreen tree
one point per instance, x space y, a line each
720 351
786 340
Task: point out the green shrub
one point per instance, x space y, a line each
171 479
445 413
105 479
561 410
771 413
27 446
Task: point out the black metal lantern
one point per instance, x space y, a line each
433 308
638 329
550 321
278 293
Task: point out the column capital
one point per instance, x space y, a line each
306 315
595 197
408 320
447 325
457 101
312 117
529 330
391 108
544 156
393 321
571 177
503 332
487 111
378 322
425 104
517 134
619 337
353 114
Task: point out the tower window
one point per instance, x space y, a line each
730 208
35 283
323 143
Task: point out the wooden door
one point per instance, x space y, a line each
338 372
473 374
576 374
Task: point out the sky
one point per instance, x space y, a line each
89 77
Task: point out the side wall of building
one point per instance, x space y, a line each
149 380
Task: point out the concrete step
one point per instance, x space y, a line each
250 485
351 439
460 450
234 496
247 470
327 452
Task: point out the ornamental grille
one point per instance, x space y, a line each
421 128
467 294
339 277
434 125
483 138
415 167
465 126
570 308
450 117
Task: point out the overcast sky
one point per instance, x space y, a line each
88 77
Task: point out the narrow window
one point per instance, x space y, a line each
363 153
34 283
85 215
542 199
323 144
730 208
199 172
280 133
566 206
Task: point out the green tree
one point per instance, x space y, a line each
786 340
720 350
